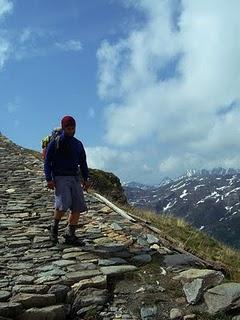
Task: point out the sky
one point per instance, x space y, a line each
154 85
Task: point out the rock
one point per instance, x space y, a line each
210 278
111 247
82 266
142 241
105 209
95 282
89 297
151 239
4 283
75 276
40 239
4 295
64 263
193 290
150 288
60 292
20 266
111 261
17 244
24 279
47 313
29 300
114 270
95 299
71 255
176 314
87 309
116 226
45 279
224 297
190 317
72 249
54 272
31 288
176 261
10 309
45 268
141 259
149 312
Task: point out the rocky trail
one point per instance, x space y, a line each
124 271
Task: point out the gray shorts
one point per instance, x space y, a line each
69 194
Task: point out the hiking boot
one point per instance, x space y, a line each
54 234
73 240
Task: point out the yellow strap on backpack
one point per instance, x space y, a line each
45 142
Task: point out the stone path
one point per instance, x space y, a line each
124 271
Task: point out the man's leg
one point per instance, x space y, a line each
55 223
78 206
62 202
72 223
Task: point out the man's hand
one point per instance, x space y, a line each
51 185
86 185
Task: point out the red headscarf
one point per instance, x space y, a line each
68 120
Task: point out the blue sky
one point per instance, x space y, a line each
146 81
46 81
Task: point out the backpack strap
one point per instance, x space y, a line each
57 142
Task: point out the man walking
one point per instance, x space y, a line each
61 166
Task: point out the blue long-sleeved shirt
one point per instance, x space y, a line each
66 158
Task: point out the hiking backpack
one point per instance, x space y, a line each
54 136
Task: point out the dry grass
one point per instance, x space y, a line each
192 240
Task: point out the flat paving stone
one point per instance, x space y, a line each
29 300
4 295
64 263
114 270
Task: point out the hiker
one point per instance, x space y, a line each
61 166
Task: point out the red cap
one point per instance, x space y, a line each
68 120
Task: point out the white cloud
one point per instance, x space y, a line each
4 52
6 7
70 45
38 42
5 48
121 163
166 83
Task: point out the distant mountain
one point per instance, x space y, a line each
133 184
137 185
210 200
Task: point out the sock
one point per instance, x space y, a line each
71 230
55 224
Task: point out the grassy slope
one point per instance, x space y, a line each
192 240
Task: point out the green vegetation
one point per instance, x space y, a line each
185 236
108 185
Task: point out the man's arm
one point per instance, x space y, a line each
48 161
83 163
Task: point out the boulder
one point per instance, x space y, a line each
210 278
223 297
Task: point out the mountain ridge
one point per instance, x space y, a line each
209 200
188 173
